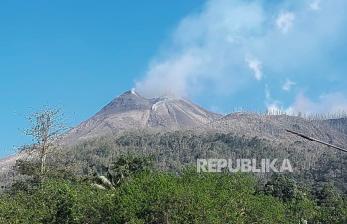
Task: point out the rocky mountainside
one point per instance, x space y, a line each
7 175
340 124
273 128
131 111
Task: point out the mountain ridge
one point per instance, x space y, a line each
131 111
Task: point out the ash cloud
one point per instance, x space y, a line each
210 50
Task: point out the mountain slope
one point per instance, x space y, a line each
273 128
209 134
340 124
131 111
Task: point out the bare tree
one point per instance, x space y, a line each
46 129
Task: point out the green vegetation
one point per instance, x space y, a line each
149 177
142 194
172 151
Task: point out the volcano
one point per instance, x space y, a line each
131 111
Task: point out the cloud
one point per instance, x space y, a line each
330 103
285 21
206 52
214 49
256 66
287 86
172 76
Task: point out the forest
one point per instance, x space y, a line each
150 177
133 191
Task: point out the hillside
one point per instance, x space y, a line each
131 111
177 132
340 124
273 127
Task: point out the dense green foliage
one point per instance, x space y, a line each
146 195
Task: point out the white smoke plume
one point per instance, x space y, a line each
210 49
330 103
285 21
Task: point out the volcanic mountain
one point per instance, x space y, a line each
131 111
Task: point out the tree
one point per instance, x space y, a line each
282 187
45 130
333 205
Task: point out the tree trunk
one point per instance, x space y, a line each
43 163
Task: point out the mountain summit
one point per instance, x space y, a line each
131 111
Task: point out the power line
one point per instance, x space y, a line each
316 140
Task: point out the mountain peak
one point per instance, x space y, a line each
129 100
130 110
130 92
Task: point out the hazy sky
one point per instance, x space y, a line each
222 54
